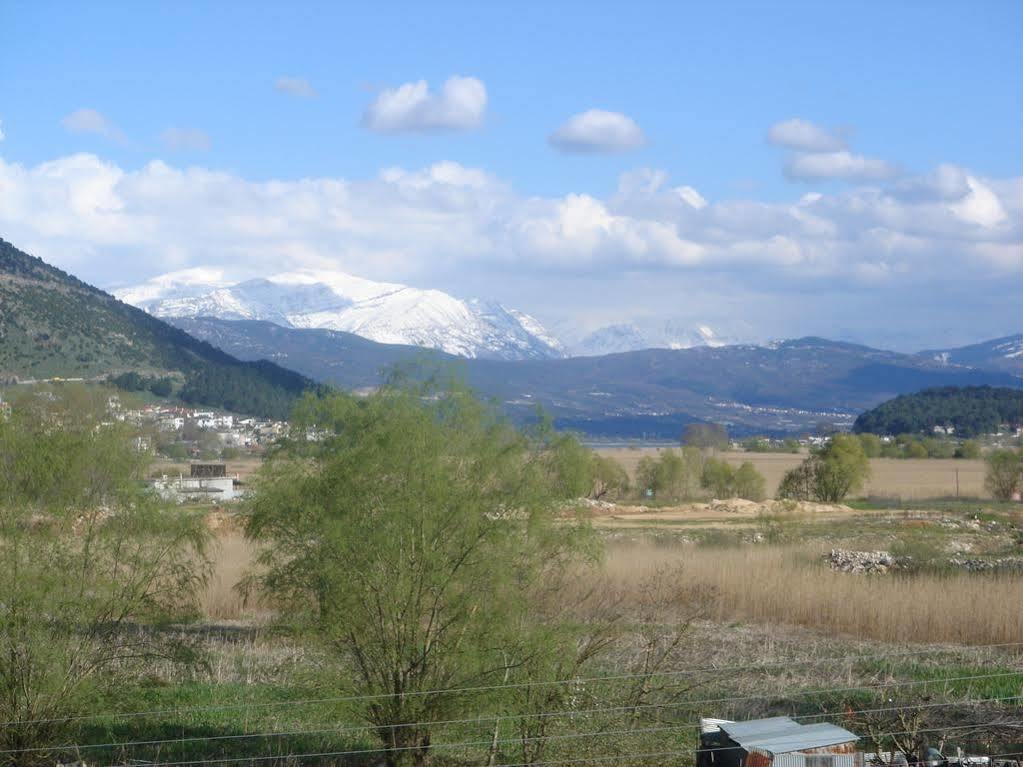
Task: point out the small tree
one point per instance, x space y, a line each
705 436
407 542
750 483
1004 473
968 448
719 478
829 475
673 476
86 554
871 444
609 477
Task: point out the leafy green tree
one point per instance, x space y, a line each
842 469
1004 477
646 474
408 540
830 474
915 449
871 444
798 484
609 477
673 476
569 462
968 448
87 555
939 448
750 483
705 436
719 478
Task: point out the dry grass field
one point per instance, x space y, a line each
789 585
911 479
765 584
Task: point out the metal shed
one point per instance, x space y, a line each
776 742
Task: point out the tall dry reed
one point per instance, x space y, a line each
789 585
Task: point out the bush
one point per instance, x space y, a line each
830 474
968 448
718 477
1004 476
871 444
672 476
750 483
88 556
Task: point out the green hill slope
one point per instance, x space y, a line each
54 325
971 410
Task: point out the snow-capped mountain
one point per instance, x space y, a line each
629 337
384 312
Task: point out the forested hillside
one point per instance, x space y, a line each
971 410
54 325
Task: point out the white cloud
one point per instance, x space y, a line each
823 166
979 205
804 136
187 139
459 105
92 121
598 132
114 225
2 130
295 86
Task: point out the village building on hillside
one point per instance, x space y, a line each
776 742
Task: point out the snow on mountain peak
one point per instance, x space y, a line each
380 311
627 337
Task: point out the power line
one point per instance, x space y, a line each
516 685
343 730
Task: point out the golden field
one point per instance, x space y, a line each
767 584
911 479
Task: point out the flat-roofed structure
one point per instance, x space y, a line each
777 741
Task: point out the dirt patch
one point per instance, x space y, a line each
731 507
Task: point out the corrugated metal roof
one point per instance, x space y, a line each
780 735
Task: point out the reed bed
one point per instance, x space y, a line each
788 584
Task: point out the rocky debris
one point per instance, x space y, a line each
734 505
1001 565
881 562
847 561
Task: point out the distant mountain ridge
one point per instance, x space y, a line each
388 313
997 354
54 325
630 337
786 387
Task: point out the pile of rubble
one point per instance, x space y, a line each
1002 565
846 561
880 562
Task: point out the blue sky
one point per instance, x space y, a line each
894 91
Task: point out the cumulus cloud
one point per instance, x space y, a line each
459 105
823 166
804 136
295 86
819 154
411 224
186 139
597 131
92 121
